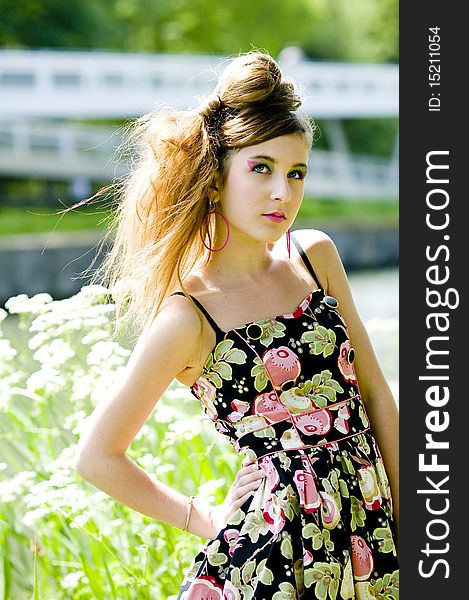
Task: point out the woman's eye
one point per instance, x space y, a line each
298 174
258 168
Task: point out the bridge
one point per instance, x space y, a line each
43 94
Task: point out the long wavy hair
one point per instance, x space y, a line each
162 204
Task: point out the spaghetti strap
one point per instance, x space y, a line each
306 260
218 331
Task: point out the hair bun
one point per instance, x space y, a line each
254 79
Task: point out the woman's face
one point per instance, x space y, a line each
262 179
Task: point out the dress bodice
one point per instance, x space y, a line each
284 382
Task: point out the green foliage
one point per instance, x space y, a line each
354 30
59 536
365 136
375 137
55 24
358 30
210 26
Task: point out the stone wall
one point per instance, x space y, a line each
34 263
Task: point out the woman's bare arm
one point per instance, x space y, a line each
377 396
172 344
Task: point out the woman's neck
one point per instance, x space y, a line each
241 262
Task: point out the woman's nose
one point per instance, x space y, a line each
280 189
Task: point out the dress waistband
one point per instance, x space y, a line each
319 427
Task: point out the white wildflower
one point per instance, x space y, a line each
95 292
178 392
95 336
143 432
8 389
208 489
110 528
37 340
17 304
54 354
29 519
102 387
109 353
72 579
45 321
183 429
71 421
14 488
7 352
81 425
83 384
79 521
48 379
22 304
149 461
163 469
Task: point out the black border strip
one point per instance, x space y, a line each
434 403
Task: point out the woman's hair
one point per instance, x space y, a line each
162 204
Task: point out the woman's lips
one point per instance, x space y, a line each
275 217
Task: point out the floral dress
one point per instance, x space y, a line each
320 526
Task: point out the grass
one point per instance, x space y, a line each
59 536
353 212
45 220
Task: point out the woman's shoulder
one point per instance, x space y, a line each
317 244
322 253
177 319
170 341
313 238
179 308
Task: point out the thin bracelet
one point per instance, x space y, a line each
189 510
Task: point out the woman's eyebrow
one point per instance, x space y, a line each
263 157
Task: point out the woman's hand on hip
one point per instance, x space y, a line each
246 482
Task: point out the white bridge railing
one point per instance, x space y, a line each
60 150
117 84
38 89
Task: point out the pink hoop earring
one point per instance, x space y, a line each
227 229
288 242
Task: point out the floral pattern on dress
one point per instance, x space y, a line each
320 526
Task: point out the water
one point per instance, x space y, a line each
376 295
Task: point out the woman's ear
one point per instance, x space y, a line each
212 194
214 189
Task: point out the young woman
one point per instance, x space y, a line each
261 324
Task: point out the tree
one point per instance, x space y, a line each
355 30
54 24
